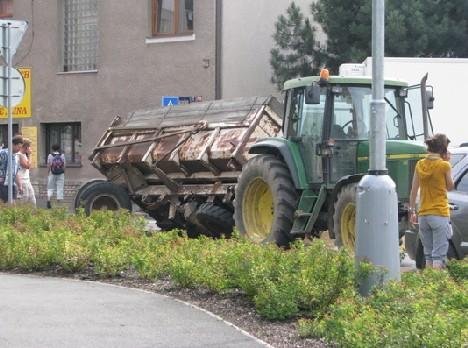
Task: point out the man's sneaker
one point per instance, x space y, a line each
48 205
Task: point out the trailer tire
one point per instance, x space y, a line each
161 215
265 201
214 220
78 203
105 195
344 217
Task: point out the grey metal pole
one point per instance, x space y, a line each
10 118
377 201
377 121
7 42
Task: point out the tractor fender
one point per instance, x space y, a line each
345 180
280 149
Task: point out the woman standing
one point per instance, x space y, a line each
433 177
27 195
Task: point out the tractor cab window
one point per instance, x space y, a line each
350 120
294 105
312 118
413 112
351 114
392 115
304 124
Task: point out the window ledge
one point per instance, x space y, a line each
77 72
151 40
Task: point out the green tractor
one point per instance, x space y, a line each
304 182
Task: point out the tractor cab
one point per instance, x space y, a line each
329 120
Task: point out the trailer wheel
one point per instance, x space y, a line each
214 220
344 217
78 203
104 195
161 215
265 201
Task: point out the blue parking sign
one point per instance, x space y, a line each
167 100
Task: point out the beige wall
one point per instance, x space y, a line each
247 31
132 72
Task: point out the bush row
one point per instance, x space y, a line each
311 283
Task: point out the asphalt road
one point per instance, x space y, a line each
52 312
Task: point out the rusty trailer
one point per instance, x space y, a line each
180 164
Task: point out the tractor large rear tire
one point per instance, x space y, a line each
104 195
344 217
265 201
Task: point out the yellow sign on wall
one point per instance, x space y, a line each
31 134
23 109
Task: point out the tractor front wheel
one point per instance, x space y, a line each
344 217
265 201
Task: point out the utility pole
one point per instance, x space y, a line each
10 42
6 45
377 201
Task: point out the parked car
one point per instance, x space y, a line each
458 201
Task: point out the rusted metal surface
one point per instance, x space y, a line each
200 141
216 189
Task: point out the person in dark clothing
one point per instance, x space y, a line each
4 156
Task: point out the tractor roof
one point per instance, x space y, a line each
353 80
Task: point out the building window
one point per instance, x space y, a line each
4 134
68 136
80 35
172 17
6 8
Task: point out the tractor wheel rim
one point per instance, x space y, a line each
258 210
348 226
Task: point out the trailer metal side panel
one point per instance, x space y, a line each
178 142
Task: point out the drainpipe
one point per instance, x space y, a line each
218 48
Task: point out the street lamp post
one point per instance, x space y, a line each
377 201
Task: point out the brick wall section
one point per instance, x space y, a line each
70 190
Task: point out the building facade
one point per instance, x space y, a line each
92 60
247 39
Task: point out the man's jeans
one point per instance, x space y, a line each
55 182
4 193
433 231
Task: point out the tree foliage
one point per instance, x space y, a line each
416 28
296 52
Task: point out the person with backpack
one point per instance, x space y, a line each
17 143
56 177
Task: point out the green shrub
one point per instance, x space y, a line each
458 269
277 300
426 309
312 283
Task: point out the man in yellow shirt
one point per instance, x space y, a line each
433 177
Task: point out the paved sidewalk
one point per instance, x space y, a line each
52 312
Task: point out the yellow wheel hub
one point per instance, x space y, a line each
258 210
348 226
